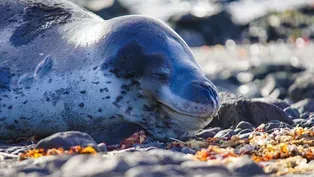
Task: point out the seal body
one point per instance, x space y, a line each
64 68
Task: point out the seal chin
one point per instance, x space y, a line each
184 125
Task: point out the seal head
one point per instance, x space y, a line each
167 92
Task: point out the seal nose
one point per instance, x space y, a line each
204 95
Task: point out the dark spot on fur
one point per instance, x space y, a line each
81 105
83 92
123 92
99 110
49 81
95 82
10 107
128 110
36 20
94 68
16 121
108 82
25 102
104 89
5 78
108 97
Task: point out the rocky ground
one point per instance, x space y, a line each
264 70
264 126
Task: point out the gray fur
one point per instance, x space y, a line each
64 68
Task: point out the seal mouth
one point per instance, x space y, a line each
171 110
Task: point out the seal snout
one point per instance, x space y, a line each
204 96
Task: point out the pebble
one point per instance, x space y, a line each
66 140
245 125
292 112
228 133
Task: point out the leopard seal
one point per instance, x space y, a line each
64 68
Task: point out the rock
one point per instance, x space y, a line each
245 131
245 125
302 88
169 157
245 166
84 165
206 134
308 123
67 140
298 122
245 135
304 106
102 147
174 170
277 102
263 70
254 111
275 85
228 133
292 112
210 26
273 125
105 9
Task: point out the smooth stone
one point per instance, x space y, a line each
309 123
254 111
205 134
245 166
304 106
292 112
245 135
67 140
299 121
303 87
228 133
102 147
245 131
245 125
272 126
237 130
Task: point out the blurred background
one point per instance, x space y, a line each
257 48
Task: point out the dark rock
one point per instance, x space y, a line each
304 106
84 165
273 125
104 9
245 166
209 26
187 150
276 85
174 170
168 157
102 147
298 121
308 123
263 70
302 88
67 140
206 134
292 112
245 135
237 130
238 109
245 131
277 102
305 115
115 10
245 125
228 133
